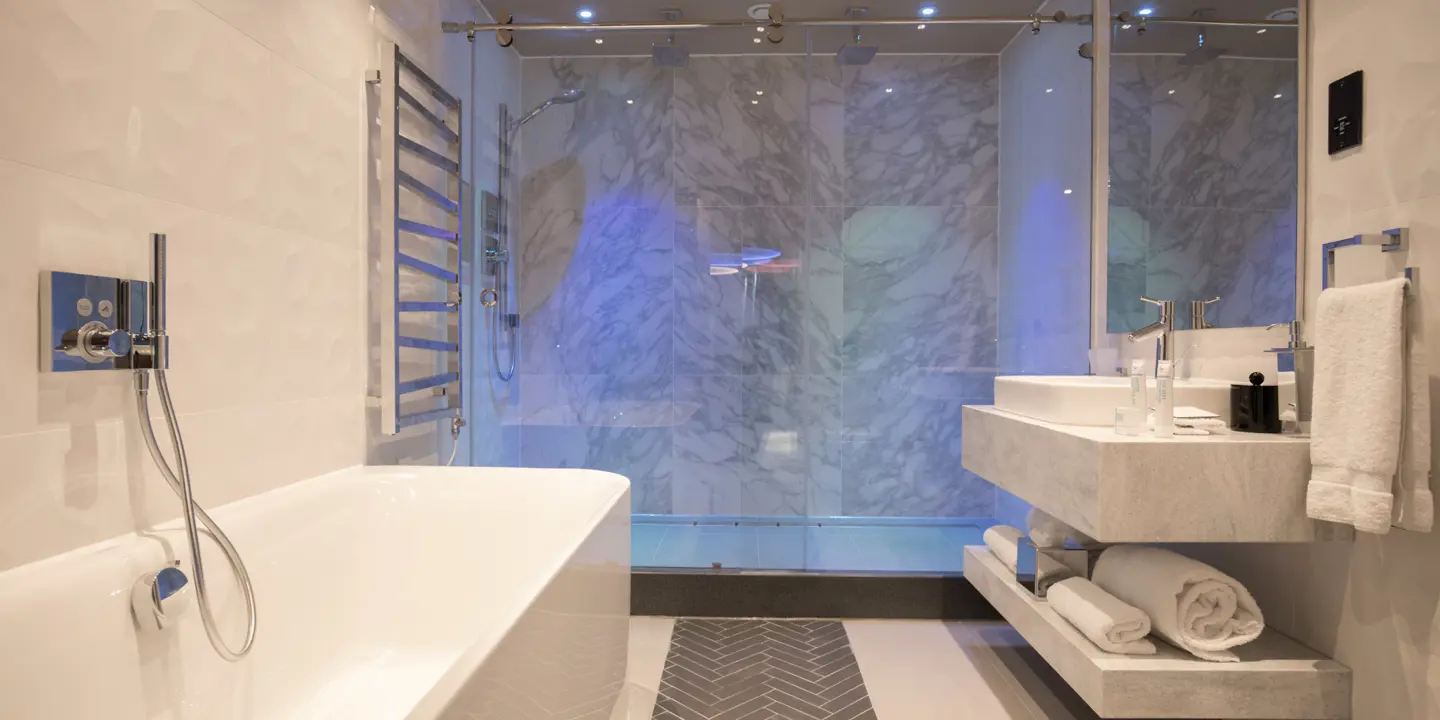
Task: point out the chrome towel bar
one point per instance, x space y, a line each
399 105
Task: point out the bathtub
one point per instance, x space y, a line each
382 592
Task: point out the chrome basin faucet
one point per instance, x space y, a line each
1164 329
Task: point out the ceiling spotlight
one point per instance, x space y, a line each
1278 96
1145 11
1049 90
1068 191
757 40
629 102
585 14
759 92
1172 92
928 10
599 41
1261 31
1126 26
760 29
889 90
921 26
754 102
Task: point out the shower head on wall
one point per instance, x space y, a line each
856 52
564 98
668 54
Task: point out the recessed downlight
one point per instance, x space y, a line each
599 41
928 10
585 13
1146 11
921 26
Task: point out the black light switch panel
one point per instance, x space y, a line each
1347 111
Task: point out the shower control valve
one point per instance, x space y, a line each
159 598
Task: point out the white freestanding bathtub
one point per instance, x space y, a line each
382 592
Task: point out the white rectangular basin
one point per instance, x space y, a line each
1091 399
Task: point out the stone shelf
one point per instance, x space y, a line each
1276 679
1237 487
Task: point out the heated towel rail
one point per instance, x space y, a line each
413 244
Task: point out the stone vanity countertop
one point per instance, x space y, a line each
1235 487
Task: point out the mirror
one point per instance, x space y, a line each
1204 123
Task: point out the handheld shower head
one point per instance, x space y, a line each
565 97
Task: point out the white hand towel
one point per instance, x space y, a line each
1358 405
1109 623
1414 507
1003 541
1047 532
1196 607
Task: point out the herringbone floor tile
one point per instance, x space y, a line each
761 669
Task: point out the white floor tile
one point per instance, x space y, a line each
918 670
649 644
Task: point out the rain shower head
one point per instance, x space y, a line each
669 55
856 52
1202 53
564 98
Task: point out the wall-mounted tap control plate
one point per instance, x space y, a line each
89 322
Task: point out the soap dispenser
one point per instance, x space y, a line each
1255 407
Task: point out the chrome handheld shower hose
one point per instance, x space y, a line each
180 483
157 347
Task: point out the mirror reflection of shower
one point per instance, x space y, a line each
497 250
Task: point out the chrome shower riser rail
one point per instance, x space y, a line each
394 101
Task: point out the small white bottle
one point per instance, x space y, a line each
1139 397
1165 399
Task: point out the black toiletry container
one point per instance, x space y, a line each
1255 407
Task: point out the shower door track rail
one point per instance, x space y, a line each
1035 21
395 99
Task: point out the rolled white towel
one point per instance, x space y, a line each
1109 623
1003 541
1047 532
1198 608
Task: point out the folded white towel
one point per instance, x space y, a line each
1196 607
1358 405
1109 623
1047 532
1414 507
1003 541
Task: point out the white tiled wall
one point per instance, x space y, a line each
237 127
1373 604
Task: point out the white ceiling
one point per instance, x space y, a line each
933 39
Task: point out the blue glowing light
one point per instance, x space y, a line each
1145 11
928 10
585 14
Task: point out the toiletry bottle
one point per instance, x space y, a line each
1139 402
1165 399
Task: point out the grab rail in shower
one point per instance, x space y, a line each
396 101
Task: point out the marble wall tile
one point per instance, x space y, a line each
1246 258
603 422
827 133
744 309
1208 215
765 445
923 130
742 131
711 446
919 289
902 450
1131 78
614 148
595 291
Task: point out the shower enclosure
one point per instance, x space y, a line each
761 279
